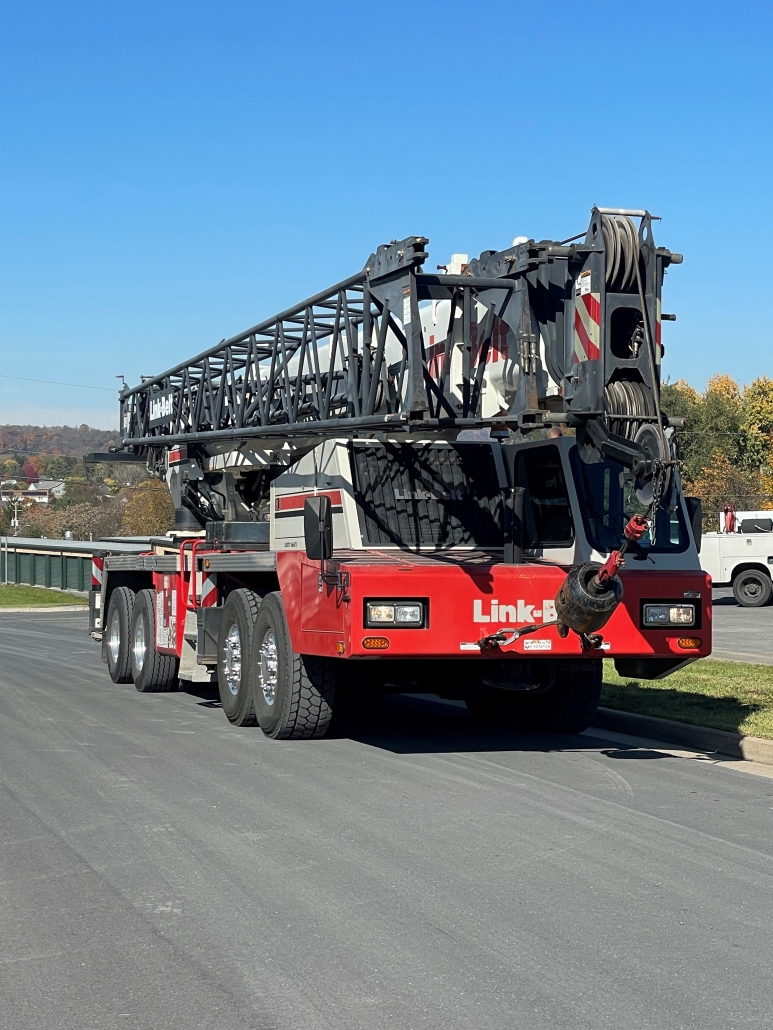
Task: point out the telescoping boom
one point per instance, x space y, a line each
457 482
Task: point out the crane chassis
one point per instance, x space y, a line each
458 483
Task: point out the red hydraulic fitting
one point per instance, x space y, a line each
636 528
609 569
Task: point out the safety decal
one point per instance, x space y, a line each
587 327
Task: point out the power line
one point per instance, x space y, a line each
54 382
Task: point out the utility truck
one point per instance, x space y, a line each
455 481
740 555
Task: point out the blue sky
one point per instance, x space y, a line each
171 173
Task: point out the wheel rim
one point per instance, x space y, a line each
269 668
140 644
752 589
114 639
232 659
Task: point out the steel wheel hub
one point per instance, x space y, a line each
114 639
140 646
232 659
269 668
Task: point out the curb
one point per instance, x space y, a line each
47 608
704 738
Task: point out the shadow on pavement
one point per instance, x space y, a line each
208 692
634 752
404 724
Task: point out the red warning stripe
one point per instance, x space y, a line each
294 502
97 565
592 306
592 352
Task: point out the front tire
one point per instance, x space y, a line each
752 589
118 634
233 656
152 671
294 693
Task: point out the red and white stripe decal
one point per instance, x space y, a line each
295 502
178 454
97 565
587 327
208 591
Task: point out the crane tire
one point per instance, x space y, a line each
118 634
237 627
294 693
568 706
152 671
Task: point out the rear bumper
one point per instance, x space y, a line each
466 603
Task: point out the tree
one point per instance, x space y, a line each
757 423
78 490
149 510
726 445
58 466
82 520
723 482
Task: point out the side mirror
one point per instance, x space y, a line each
695 511
318 528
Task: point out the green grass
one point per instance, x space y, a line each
724 695
12 596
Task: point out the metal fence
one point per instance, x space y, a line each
59 564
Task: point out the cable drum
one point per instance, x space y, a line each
631 402
621 243
635 411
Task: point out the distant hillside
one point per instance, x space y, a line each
67 440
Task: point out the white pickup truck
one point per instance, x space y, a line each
742 557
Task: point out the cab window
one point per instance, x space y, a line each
547 514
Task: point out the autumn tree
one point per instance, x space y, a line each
84 521
59 466
726 445
757 423
149 510
11 469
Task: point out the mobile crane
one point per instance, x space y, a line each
457 482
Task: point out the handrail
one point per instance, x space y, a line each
190 585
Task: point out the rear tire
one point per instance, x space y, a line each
568 706
152 671
118 634
752 589
233 656
294 693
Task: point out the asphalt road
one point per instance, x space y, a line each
161 869
741 634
